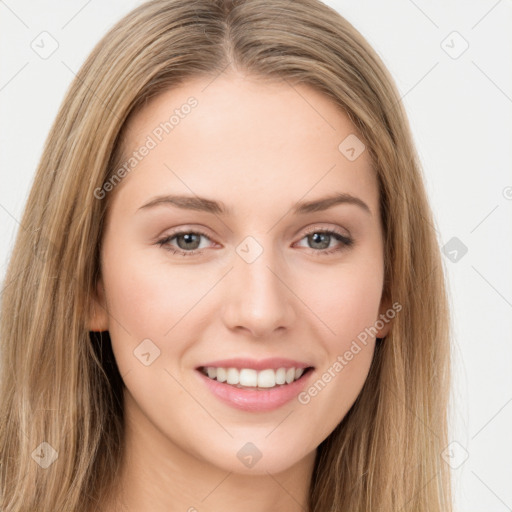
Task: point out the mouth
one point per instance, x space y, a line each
254 385
250 378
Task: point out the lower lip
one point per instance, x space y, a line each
256 400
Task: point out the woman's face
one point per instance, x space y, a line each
221 244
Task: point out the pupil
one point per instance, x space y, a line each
317 238
189 239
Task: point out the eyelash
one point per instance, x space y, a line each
345 242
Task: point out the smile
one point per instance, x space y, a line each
250 378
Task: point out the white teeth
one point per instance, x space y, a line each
266 379
233 376
221 374
281 376
247 377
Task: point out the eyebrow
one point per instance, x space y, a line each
219 208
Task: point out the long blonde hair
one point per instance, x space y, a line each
60 383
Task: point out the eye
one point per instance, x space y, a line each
324 240
188 242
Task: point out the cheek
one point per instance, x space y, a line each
143 304
354 304
347 302
151 299
345 299
148 298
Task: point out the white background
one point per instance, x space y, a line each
461 115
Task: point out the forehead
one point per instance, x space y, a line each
246 137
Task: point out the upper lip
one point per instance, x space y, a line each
256 364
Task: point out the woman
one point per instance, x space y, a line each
297 357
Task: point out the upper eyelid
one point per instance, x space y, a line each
200 231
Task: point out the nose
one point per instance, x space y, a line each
259 299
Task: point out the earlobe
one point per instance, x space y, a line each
385 330
385 320
98 316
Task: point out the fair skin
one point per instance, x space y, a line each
258 148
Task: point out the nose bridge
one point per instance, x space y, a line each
258 277
258 300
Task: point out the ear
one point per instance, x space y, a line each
385 305
98 316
